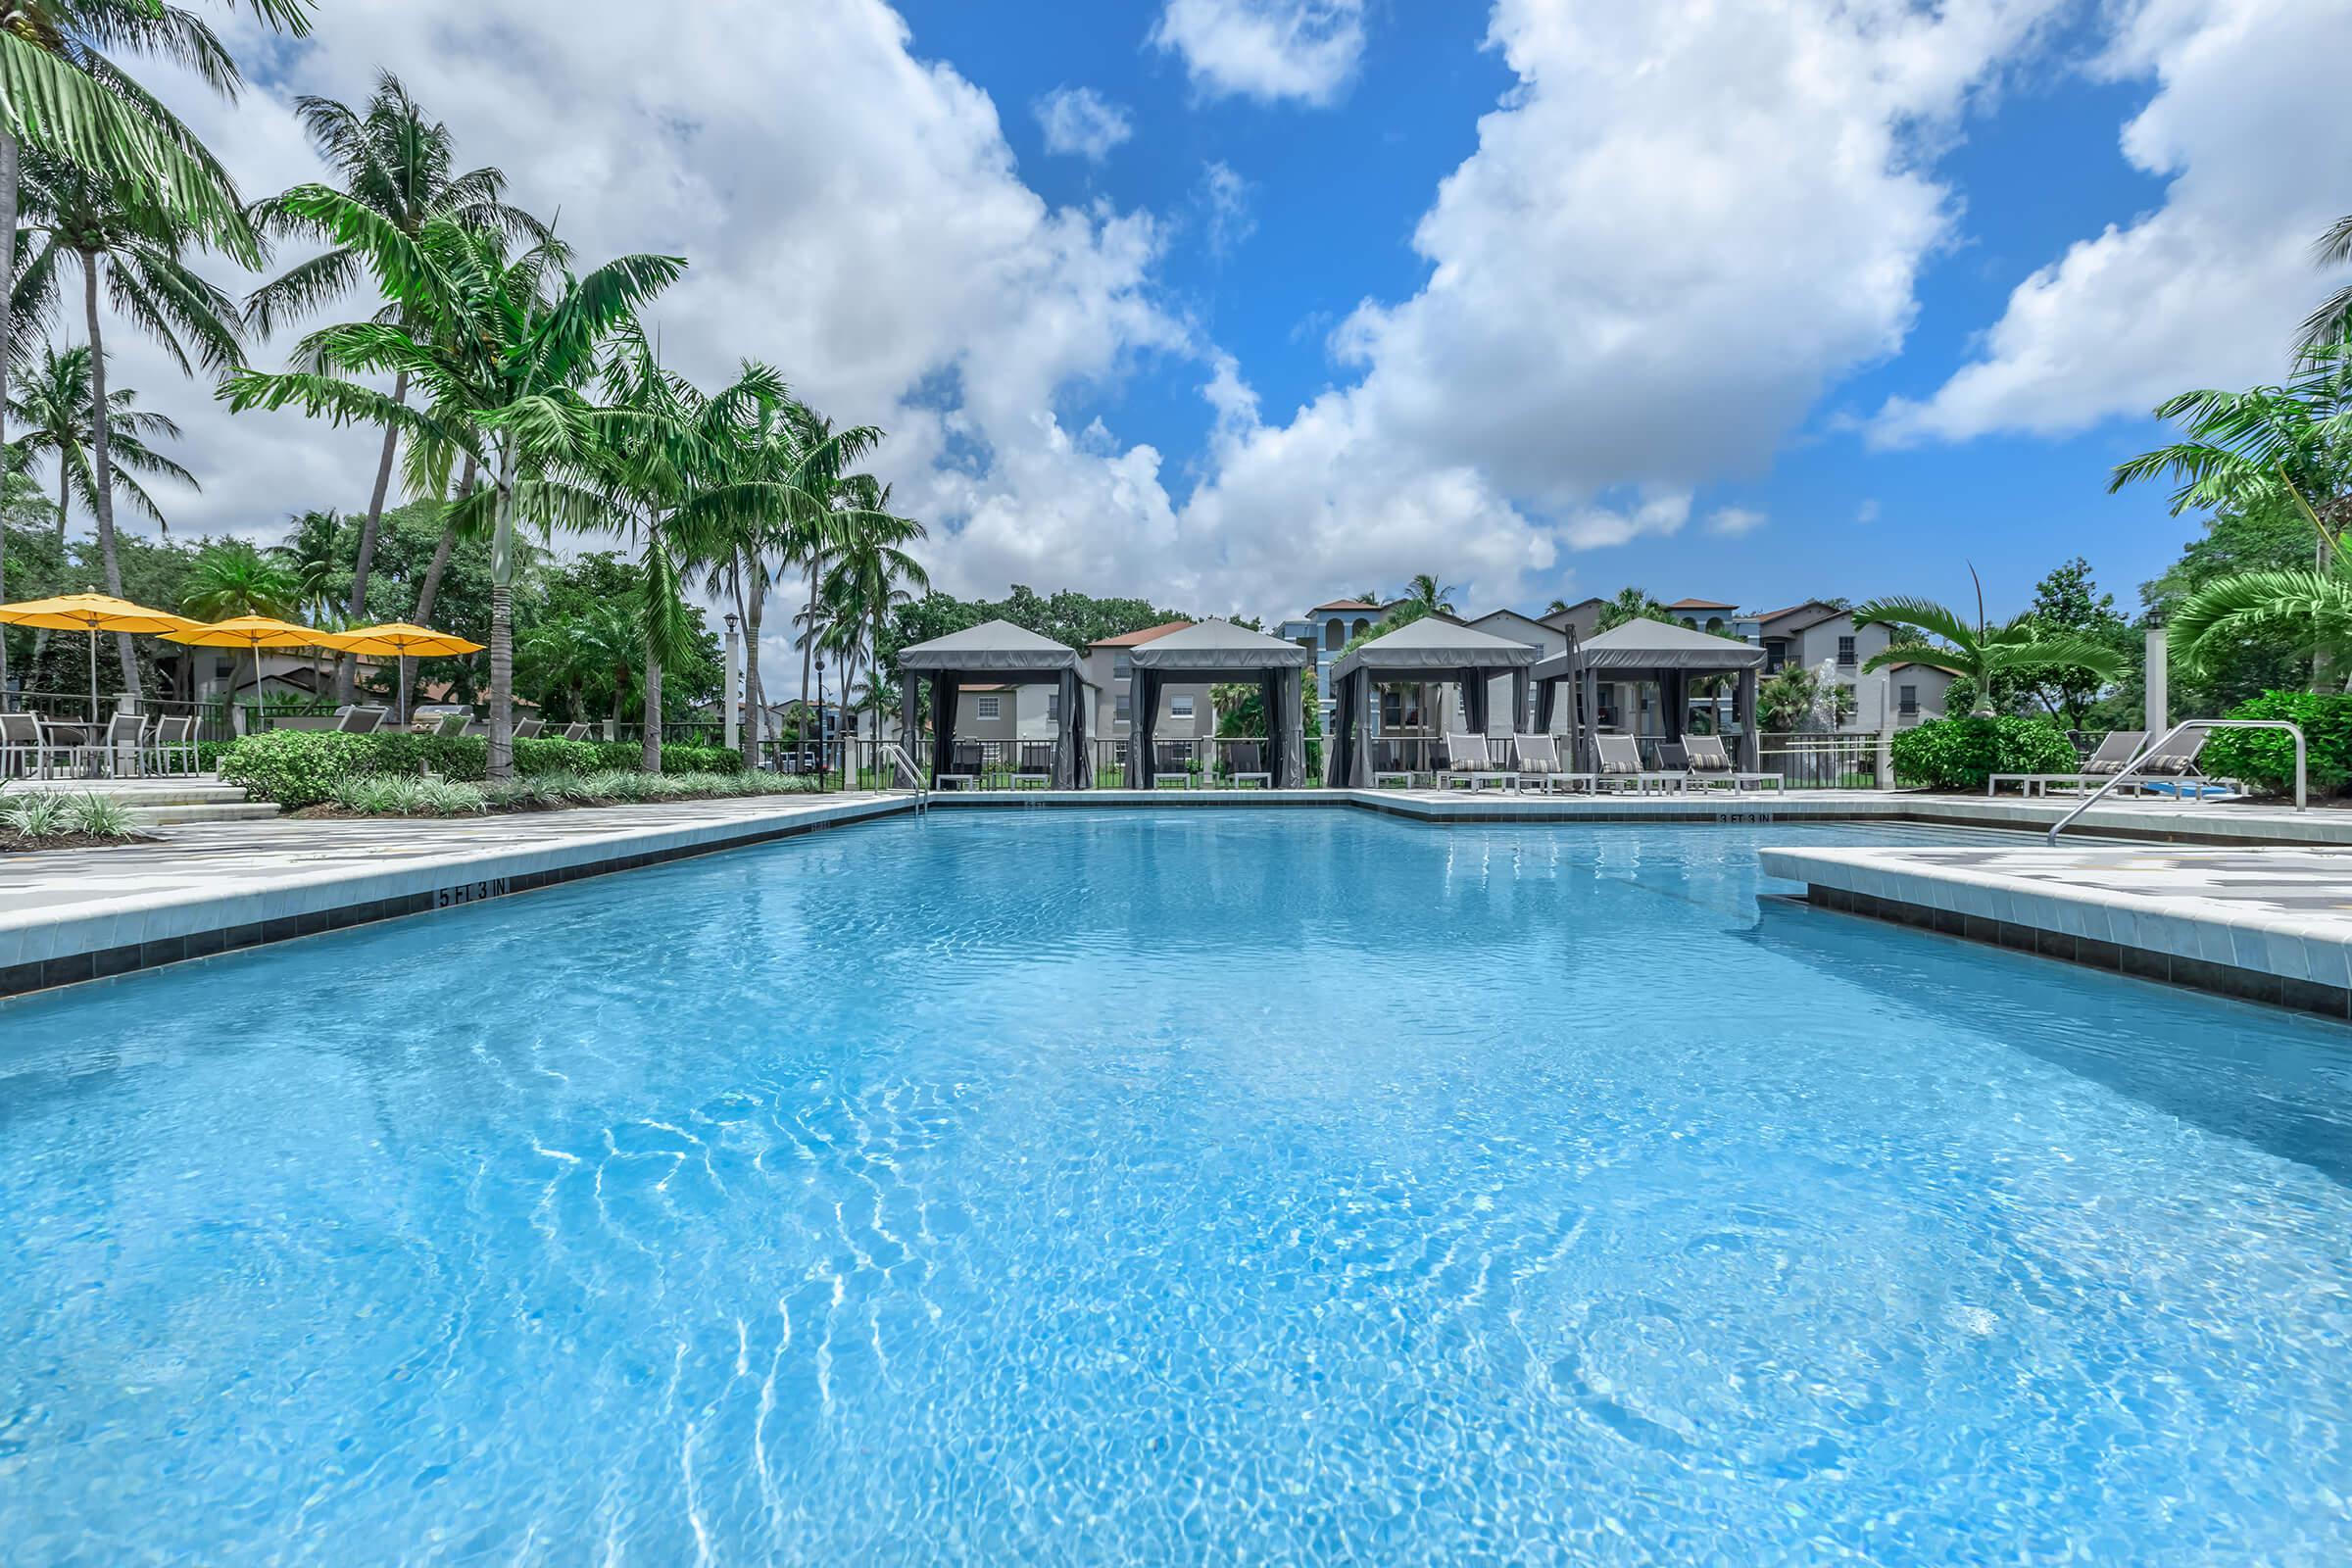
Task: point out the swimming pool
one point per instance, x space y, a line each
1146 1187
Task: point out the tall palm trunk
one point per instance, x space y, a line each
501 624
8 272
754 698
817 566
101 463
648 757
431 589
375 517
620 699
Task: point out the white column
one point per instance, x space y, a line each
2159 696
730 700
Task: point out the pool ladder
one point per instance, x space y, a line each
902 766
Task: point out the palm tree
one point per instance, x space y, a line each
500 346
394 161
1983 653
52 406
865 585
1630 605
135 248
2333 321
2269 446
1558 606
66 95
832 503
1434 600
2313 603
233 579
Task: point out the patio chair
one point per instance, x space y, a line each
1172 763
1536 758
529 729
119 751
576 732
1035 765
77 743
1711 764
171 744
1246 760
2170 768
2113 756
24 748
1466 759
1621 767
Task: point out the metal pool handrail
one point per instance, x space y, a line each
2173 734
903 767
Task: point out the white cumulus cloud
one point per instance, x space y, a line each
1269 50
1729 522
2207 289
1081 121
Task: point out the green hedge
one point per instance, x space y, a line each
1960 753
302 767
2265 758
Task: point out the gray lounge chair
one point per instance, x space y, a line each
2114 753
451 726
1536 758
527 729
1035 765
576 732
1172 763
357 720
1467 760
1710 764
1621 767
2174 766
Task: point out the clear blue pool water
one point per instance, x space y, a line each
1119 1187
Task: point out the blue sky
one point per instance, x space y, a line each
1242 303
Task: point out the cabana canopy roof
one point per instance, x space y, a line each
1653 645
1219 645
995 648
1434 643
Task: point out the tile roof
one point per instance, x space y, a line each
1700 604
1827 610
1343 604
1134 638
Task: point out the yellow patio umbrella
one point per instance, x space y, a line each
253 634
92 614
398 639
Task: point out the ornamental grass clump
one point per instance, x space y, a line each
97 816
36 817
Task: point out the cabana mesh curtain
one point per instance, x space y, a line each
1142 715
945 685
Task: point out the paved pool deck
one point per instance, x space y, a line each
78 915
2267 925
70 915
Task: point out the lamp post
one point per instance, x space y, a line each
824 759
729 701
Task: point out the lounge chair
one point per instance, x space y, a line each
1246 760
1536 758
1392 753
451 725
1172 763
966 763
1621 765
2170 768
1035 767
357 720
2115 753
1710 764
527 729
1466 759
576 732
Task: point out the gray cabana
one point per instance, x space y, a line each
996 653
1652 651
1206 655
1431 649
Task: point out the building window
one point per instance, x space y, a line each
1335 634
1053 708
1845 652
1715 625
1120 664
1122 708
1392 709
987 706
1361 626
1607 695
1776 655
1180 707
1906 701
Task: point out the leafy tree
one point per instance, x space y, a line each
52 406
136 247
2234 666
399 164
1631 604
2067 603
1985 654
500 346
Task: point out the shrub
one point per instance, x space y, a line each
100 817
1960 753
2265 758
297 767
36 817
